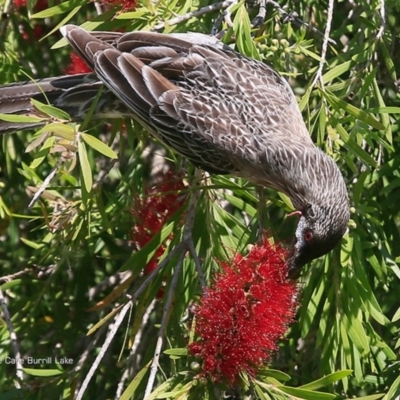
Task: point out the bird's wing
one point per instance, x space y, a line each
218 108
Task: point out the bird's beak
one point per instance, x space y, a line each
294 262
293 267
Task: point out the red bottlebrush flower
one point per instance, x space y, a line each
37 33
20 3
152 211
39 6
77 65
127 5
242 316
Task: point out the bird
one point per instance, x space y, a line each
225 112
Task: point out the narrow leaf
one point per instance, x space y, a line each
354 111
327 380
307 394
85 166
98 145
130 391
42 372
337 71
50 110
21 118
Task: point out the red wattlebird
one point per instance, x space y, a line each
227 113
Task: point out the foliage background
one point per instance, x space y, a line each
349 304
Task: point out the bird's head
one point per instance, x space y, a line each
318 232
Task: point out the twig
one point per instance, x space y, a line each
197 263
187 237
192 250
294 18
228 15
5 18
382 14
197 13
93 341
134 349
164 323
259 19
99 7
104 173
121 316
14 342
145 318
160 266
46 182
216 25
108 282
318 76
118 321
8 278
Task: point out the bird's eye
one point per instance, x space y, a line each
308 235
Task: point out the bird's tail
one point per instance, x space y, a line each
73 94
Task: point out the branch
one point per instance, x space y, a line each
294 18
14 342
259 19
164 323
318 76
121 316
5 17
197 13
18 274
114 328
382 15
187 237
46 182
135 349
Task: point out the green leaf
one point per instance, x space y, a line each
98 145
32 244
357 334
165 387
42 372
327 380
64 21
339 104
181 352
354 147
130 391
21 118
139 259
396 315
394 390
385 110
242 29
337 71
85 166
43 152
307 394
240 204
50 110
388 61
56 10
278 375
180 393
260 393
64 131
133 15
